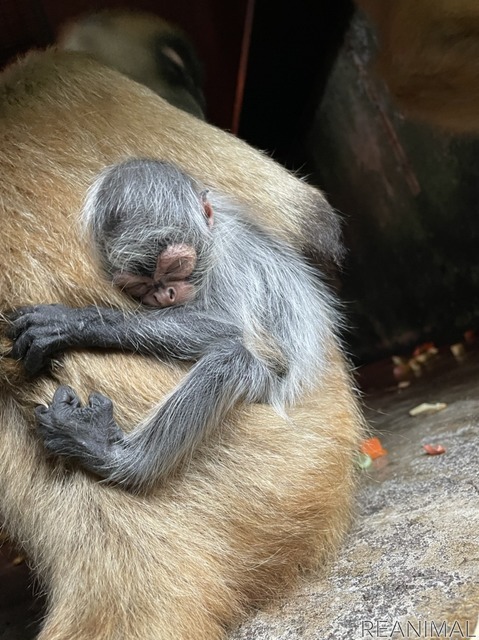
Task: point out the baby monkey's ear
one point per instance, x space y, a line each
208 209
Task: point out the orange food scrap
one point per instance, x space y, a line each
470 336
434 449
426 347
373 448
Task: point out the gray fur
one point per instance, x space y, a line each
272 299
257 327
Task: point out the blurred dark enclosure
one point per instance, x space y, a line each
215 27
297 80
408 194
410 198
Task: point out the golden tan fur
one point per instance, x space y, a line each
429 57
262 497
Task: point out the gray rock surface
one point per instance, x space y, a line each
410 566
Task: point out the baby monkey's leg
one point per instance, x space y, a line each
226 375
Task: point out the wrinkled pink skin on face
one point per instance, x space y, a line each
168 285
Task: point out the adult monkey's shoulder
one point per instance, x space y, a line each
64 86
263 497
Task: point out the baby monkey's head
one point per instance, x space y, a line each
151 223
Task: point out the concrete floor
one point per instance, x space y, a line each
410 566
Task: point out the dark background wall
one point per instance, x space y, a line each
408 195
410 199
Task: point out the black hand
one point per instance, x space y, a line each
87 434
39 332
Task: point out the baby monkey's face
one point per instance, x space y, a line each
168 285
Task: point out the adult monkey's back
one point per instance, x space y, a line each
259 498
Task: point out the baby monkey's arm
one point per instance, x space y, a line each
40 332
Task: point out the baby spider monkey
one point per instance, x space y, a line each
216 289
